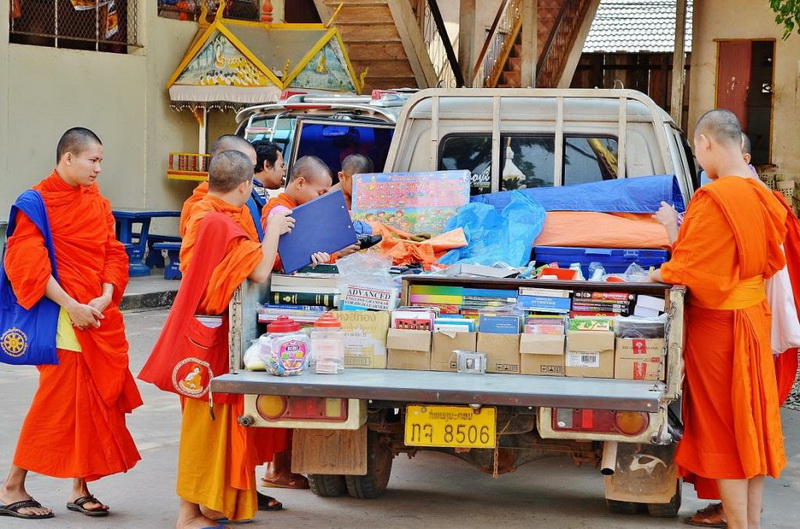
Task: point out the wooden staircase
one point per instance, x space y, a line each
563 25
383 38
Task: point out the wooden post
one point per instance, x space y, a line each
678 63
530 53
466 39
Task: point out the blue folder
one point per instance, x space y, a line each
322 225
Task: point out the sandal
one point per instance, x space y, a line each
296 481
78 506
710 516
265 503
12 509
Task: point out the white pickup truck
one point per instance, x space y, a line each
349 427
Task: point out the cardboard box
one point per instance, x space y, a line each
502 352
542 354
590 354
364 338
640 359
409 349
444 343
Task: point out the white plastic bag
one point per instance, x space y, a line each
785 326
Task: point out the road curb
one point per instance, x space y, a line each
148 300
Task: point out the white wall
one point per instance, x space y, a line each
745 19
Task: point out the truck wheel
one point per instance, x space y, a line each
327 485
379 467
666 510
623 507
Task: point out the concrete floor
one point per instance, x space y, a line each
431 490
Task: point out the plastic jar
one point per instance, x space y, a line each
327 345
284 348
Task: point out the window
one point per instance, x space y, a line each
191 9
528 160
100 25
589 159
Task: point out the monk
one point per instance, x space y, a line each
76 424
217 457
353 164
729 242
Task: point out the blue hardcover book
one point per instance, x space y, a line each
499 324
490 292
322 225
544 304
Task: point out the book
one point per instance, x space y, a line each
312 289
419 320
544 304
543 292
591 324
313 308
499 324
583 307
453 325
616 296
489 293
303 298
435 298
288 282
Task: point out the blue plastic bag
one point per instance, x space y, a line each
497 237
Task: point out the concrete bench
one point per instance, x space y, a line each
155 258
172 269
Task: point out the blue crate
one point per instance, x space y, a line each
614 260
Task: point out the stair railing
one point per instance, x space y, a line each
441 50
502 43
549 66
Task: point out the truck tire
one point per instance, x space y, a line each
379 467
667 510
327 485
624 507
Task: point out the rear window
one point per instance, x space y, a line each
528 161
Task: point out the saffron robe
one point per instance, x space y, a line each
729 242
217 458
248 224
76 427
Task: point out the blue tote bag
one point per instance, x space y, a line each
28 337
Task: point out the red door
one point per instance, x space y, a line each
733 77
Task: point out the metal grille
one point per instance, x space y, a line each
100 25
191 9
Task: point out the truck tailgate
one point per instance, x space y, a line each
453 388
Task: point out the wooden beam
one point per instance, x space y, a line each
678 63
577 45
411 37
466 39
530 29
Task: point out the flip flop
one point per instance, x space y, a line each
78 506
706 519
264 503
12 509
292 483
223 521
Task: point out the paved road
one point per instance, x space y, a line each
431 490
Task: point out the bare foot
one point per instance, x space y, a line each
8 497
195 522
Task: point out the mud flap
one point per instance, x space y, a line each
643 474
341 452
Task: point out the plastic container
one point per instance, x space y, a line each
285 348
327 345
613 260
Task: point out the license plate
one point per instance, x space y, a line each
450 426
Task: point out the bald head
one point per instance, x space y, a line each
721 126
227 170
232 142
746 145
76 140
312 169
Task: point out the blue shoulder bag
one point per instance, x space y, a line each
28 337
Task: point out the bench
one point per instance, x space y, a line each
136 242
155 258
172 269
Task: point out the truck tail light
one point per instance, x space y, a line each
276 407
603 421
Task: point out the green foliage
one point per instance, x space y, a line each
788 14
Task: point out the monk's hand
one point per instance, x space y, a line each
667 216
100 303
319 258
280 222
84 316
353 248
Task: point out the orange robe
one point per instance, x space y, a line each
729 242
217 458
248 224
76 424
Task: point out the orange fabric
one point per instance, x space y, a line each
223 478
587 228
247 223
76 423
732 233
397 245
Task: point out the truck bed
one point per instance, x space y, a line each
453 388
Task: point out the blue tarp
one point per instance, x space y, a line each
628 195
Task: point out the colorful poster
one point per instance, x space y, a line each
412 202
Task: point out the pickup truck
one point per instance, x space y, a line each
349 427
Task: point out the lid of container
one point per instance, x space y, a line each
328 320
283 324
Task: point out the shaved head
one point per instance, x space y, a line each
232 142
227 170
746 146
76 140
721 126
312 169
357 164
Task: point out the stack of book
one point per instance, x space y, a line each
547 300
413 318
300 313
309 289
447 300
546 324
601 304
